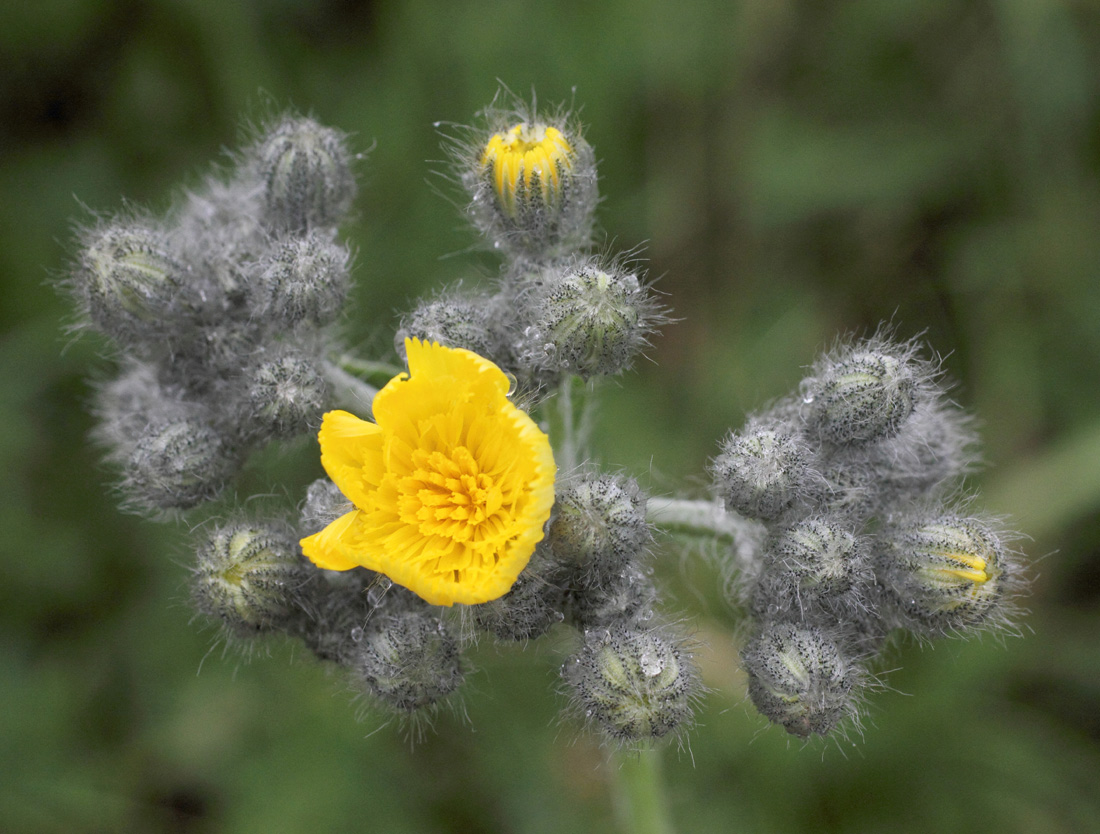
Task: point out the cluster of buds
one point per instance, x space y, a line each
558 309
220 313
854 483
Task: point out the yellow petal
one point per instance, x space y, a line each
335 547
351 453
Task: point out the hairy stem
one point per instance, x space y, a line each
694 518
570 419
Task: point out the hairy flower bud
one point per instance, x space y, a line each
306 171
800 678
285 396
634 685
587 319
452 321
761 471
533 186
622 599
177 465
945 574
865 393
302 280
248 576
408 661
934 448
816 565
533 605
128 278
599 523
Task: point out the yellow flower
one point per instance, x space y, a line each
528 159
452 485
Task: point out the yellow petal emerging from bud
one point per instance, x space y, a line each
525 162
452 485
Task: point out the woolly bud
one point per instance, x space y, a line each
935 447
408 661
304 280
944 574
800 678
324 504
285 396
817 563
599 523
634 685
761 471
625 598
127 277
306 170
530 608
248 576
127 404
533 186
587 319
864 394
452 321
177 465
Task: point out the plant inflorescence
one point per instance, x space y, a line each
461 500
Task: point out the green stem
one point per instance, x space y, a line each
641 806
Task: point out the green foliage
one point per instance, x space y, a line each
799 170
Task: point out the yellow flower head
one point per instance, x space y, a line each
528 160
452 484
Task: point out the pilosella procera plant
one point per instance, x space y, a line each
461 501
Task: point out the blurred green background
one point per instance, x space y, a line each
797 170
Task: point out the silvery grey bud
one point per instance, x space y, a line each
248 576
587 319
935 447
127 404
634 685
599 523
815 566
943 574
306 170
127 277
408 661
452 321
800 678
285 395
624 599
302 280
177 465
865 393
531 607
762 470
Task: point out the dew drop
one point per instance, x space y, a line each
651 664
357 634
